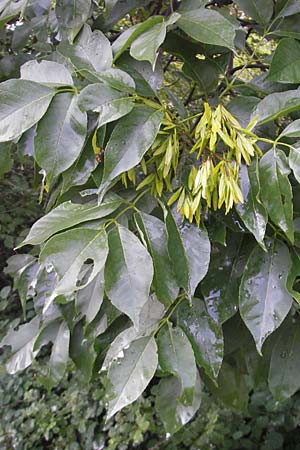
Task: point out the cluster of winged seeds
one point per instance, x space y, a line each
220 146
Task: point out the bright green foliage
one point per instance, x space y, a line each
167 150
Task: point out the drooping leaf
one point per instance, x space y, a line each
127 283
82 350
22 345
189 249
68 251
45 72
90 298
264 300
59 355
231 388
67 215
293 275
294 160
6 162
145 46
208 26
109 103
172 412
220 287
72 14
277 104
259 10
116 9
22 104
130 375
285 64
154 232
125 40
176 357
276 191
204 334
252 211
91 52
285 362
60 135
129 141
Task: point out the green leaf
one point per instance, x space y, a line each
82 350
22 345
292 130
68 251
59 356
67 215
127 283
285 66
294 160
259 10
60 135
49 73
220 287
285 362
91 52
277 104
172 412
109 103
130 375
293 275
176 357
208 26
154 233
116 9
252 211
232 388
276 191
145 46
129 141
72 14
264 299
204 334
189 249
125 40
90 298
22 104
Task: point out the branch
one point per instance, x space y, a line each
257 65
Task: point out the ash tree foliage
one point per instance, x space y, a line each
165 135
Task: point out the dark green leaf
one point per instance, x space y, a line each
22 345
145 46
91 52
276 191
130 375
49 73
189 249
277 104
154 232
259 10
90 298
22 104
176 357
67 215
285 66
127 283
72 14
252 211
204 334
208 26
264 299
68 251
285 362
172 412
60 135
129 141
109 103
